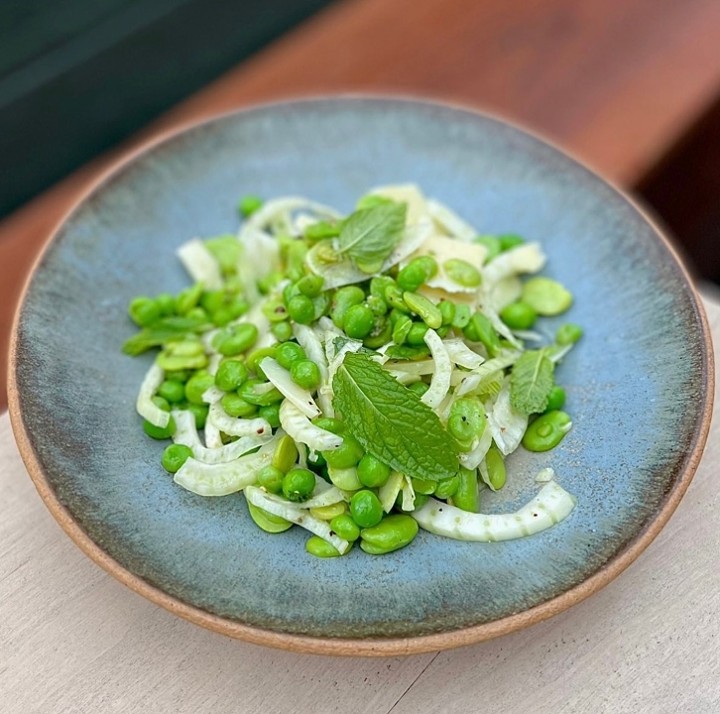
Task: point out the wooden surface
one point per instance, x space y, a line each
620 84
76 641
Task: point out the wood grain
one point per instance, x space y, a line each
620 84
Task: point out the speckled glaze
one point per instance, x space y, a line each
637 384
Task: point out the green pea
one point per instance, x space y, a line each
306 374
329 424
231 375
462 316
187 299
462 272
158 432
234 340
275 310
256 392
497 474
366 509
200 412
172 391
327 513
447 487
198 314
320 548
467 496
416 272
286 454
271 414
322 230
358 321
197 385
268 522
301 309
480 329
166 303
288 353
492 245
423 486
556 399
372 472
425 309
235 406
392 533
174 456
144 311
282 331
269 282
298 484
377 305
518 316
419 388
508 241
311 285
179 375
546 296
249 204
447 311
348 454
270 478
345 527
343 300
416 333
256 357
568 334
547 431
443 331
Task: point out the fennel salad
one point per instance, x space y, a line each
360 376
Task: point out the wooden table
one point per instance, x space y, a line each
620 84
75 641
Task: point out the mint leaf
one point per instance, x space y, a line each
391 422
531 380
369 235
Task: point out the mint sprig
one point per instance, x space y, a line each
531 380
369 235
391 422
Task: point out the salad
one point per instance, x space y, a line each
360 376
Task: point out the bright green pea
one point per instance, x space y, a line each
306 374
366 509
197 313
282 331
497 475
447 311
345 527
271 414
329 424
298 484
234 340
275 310
343 300
518 316
547 431
509 241
288 353
158 432
286 454
249 204
235 406
372 472
179 375
144 311
391 533
295 258
425 309
268 522
568 334
462 316
197 385
174 456
447 487
270 478
423 486
166 303
257 392
321 305
268 282
347 455
231 375
416 333
467 495
187 299
416 272
256 357
311 285
200 412
358 321
480 329
419 388
556 399
492 245
301 309
172 391
320 548
546 296
462 272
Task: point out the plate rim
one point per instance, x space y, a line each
361 646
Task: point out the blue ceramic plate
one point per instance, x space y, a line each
638 384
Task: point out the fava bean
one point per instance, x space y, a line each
392 533
416 272
480 329
286 454
344 526
467 496
495 465
447 487
547 431
416 334
518 316
425 309
462 272
235 406
233 340
568 334
546 296
144 311
269 522
462 316
401 329
447 311
320 548
327 513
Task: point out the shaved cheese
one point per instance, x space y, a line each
525 258
447 219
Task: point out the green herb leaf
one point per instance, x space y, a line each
531 381
391 422
369 235
168 329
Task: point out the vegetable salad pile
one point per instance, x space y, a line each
361 375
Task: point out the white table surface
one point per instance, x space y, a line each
72 639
